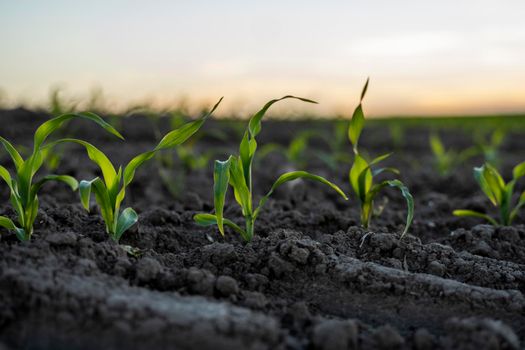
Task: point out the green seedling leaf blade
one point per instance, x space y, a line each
102 198
247 150
298 145
290 176
4 174
355 126
131 167
240 187
51 125
221 178
181 134
365 88
126 219
409 199
360 177
436 145
518 171
69 180
98 157
13 153
357 122
380 158
7 223
472 213
84 189
210 220
376 172
521 203
254 126
490 182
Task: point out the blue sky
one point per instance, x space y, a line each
423 57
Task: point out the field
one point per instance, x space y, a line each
311 278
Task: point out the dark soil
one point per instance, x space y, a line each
310 279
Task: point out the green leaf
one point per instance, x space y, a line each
247 150
360 177
85 192
69 180
15 156
4 174
436 145
518 171
131 167
290 176
365 88
376 172
51 125
127 218
102 198
98 157
356 126
490 182
254 126
7 223
240 187
380 158
210 219
221 178
298 145
409 199
521 203
465 212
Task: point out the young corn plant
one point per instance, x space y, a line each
23 188
110 191
362 175
294 152
236 172
447 160
490 145
499 193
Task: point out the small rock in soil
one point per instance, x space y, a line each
147 269
279 266
335 335
436 268
483 249
227 286
201 281
254 300
423 339
386 337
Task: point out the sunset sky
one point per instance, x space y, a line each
423 57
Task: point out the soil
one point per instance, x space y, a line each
312 278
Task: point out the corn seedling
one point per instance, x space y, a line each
236 172
110 191
362 175
489 146
447 160
294 152
24 191
498 192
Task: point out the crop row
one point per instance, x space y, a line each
236 172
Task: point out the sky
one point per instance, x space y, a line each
423 57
